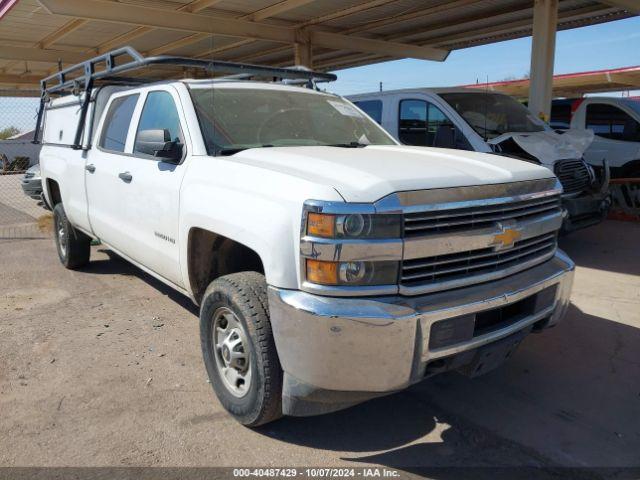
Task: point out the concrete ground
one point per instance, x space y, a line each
18 213
13 199
103 368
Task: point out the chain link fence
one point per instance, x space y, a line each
22 213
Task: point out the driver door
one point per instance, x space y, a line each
152 193
424 124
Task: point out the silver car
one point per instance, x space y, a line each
32 182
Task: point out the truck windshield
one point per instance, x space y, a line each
493 114
235 119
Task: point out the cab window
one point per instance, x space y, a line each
373 108
116 124
423 124
160 114
610 122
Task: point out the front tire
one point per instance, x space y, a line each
238 348
74 247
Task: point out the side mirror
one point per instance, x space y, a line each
158 143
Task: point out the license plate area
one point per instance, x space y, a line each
452 331
491 356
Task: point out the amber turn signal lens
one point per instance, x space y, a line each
322 273
320 225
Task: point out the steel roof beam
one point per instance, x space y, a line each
101 10
632 6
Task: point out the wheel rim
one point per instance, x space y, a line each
61 231
231 351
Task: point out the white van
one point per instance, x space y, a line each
469 119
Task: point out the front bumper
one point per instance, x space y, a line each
585 211
339 351
589 208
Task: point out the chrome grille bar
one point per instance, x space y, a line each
472 263
423 223
471 255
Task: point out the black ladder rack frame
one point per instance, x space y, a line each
80 79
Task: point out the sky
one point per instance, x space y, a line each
610 45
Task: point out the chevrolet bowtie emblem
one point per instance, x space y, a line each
506 238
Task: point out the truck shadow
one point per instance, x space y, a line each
116 265
569 397
609 246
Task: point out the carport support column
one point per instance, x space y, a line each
303 54
545 21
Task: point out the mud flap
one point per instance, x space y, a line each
492 355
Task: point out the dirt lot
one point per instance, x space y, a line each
103 368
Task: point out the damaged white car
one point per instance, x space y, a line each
469 119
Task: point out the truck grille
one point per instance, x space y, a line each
573 175
475 262
445 233
425 223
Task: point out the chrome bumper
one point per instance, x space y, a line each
381 344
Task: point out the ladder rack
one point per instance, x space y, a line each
106 69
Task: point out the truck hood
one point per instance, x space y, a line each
371 173
549 146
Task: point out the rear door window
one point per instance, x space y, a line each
116 124
412 128
609 121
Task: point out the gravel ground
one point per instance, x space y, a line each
103 368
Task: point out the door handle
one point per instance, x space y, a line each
125 177
90 168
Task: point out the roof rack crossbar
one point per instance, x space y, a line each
81 78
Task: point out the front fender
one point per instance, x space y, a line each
255 207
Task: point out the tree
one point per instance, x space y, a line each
8 132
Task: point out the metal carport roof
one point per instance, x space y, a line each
573 84
327 34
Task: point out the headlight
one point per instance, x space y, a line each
355 273
354 225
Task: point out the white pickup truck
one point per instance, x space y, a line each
615 122
331 264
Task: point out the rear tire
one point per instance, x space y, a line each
238 348
74 247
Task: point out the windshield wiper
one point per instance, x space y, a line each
349 145
232 151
